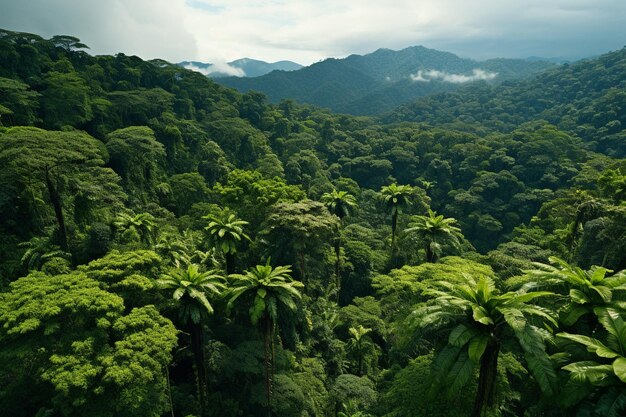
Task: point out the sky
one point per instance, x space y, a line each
307 31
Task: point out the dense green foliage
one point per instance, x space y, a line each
586 98
171 247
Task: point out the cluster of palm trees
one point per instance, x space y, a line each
265 289
433 231
481 320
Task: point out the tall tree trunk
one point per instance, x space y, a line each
360 359
269 361
55 199
485 395
429 253
302 268
229 259
337 265
394 223
197 345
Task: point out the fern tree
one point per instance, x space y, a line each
266 290
603 374
586 289
338 203
225 234
435 231
359 344
192 289
482 321
136 227
395 197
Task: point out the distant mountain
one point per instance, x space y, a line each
244 67
380 81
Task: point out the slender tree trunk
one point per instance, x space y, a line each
302 268
55 199
229 259
394 224
360 360
429 253
337 265
197 346
485 395
269 365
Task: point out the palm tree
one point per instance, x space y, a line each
484 319
192 289
140 227
225 233
395 197
587 289
266 288
435 231
338 203
359 343
607 373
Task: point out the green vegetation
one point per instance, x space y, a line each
171 247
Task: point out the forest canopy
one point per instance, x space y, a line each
169 246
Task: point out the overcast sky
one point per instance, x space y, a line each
306 31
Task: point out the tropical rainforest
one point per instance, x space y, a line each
172 247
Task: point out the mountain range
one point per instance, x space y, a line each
244 67
380 81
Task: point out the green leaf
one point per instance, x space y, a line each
578 296
257 309
590 371
571 314
477 347
460 373
612 404
592 345
619 368
481 315
178 293
604 292
541 368
461 335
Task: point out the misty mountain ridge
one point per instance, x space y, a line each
244 67
384 79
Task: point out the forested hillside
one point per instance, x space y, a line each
587 99
380 81
171 247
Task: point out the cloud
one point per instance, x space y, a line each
432 75
309 30
147 28
219 68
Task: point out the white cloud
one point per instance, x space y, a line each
309 30
430 75
148 28
218 67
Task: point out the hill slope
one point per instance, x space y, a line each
382 80
587 98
